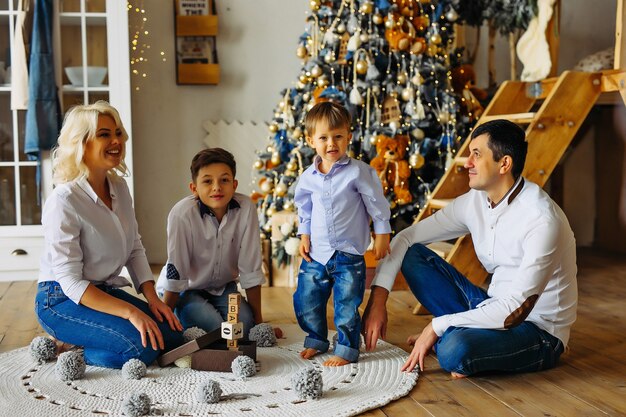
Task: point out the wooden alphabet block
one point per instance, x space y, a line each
234 298
233 318
233 308
231 331
232 344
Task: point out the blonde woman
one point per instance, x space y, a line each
90 234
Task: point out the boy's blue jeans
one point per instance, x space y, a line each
443 290
202 309
344 274
108 341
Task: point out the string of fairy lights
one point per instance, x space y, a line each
140 43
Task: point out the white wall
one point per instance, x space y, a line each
256 50
256 47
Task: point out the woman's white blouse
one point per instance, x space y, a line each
86 242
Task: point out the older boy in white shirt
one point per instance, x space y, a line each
213 241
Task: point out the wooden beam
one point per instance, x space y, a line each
620 38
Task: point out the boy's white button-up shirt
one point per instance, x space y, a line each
85 242
525 242
206 255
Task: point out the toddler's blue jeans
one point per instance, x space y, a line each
344 274
443 290
108 341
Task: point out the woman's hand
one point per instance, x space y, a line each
147 328
163 311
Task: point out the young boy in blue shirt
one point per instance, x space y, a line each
336 197
213 241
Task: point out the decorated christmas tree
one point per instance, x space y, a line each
391 64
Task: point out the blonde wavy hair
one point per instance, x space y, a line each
79 126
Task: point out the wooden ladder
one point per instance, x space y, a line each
550 129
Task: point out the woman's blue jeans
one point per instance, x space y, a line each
344 274
443 290
108 341
199 308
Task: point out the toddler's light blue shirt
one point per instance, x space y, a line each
335 208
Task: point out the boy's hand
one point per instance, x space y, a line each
381 246
305 246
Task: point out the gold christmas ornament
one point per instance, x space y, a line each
281 189
322 81
432 49
306 96
341 28
452 15
417 79
297 132
266 186
377 19
389 23
287 205
302 52
270 149
367 7
364 37
418 133
329 57
444 117
373 140
300 85
315 4
289 173
408 94
271 210
267 227
275 158
416 161
401 78
292 166
258 164
281 104
303 79
316 71
361 67
273 128
435 38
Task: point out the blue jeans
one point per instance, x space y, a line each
345 275
108 341
207 311
443 290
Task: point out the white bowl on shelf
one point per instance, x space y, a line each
95 75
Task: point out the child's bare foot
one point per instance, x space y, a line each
278 332
308 353
336 361
457 376
62 347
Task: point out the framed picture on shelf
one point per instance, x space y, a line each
193 7
195 50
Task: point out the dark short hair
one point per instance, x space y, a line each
334 114
211 156
505 138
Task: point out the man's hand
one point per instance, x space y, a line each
381 246
305 247
375 317
422 345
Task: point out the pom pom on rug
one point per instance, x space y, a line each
43 349
134 369
307 383
243 366
193 333
136 405
70 366
263 335
209 392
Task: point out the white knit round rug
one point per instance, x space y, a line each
33 390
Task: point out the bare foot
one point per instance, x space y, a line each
336 361
308 353
278 332
457 376
62 347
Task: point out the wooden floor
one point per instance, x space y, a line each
590 380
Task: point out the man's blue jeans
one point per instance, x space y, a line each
108 341
202 309
443 290
344 274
